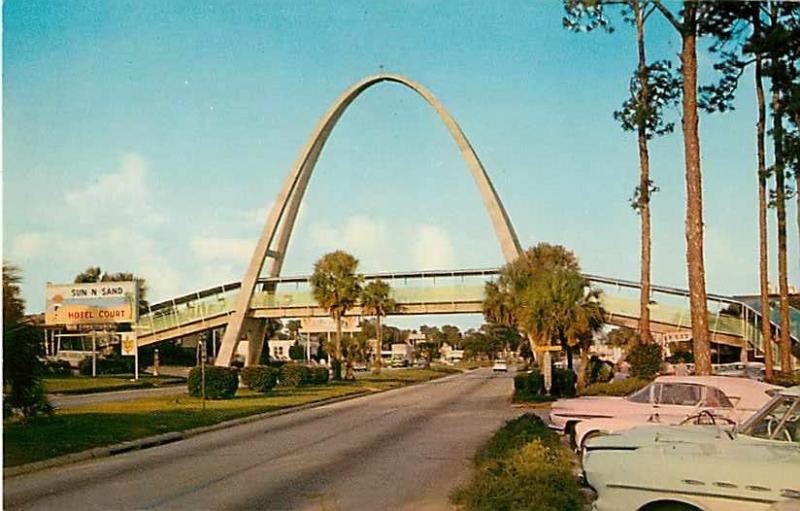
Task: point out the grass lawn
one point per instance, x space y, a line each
89 385
77 429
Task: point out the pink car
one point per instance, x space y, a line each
667 400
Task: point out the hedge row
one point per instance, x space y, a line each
260 378
115 364
530 386
523 467
615 388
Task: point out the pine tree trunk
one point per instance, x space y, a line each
694 194
644 183
780 207
763 251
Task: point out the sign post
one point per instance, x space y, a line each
94 353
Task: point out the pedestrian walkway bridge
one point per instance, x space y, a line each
731 322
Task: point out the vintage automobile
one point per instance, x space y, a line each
667 400
754 466
500 366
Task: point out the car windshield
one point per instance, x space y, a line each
641 396
780 420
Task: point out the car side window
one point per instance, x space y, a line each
715 398
643 395
680 394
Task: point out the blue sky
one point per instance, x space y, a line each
153 136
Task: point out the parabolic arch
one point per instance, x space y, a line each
287 204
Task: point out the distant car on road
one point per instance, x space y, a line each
753 467
500 366
667 400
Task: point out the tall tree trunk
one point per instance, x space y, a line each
694 193
337 362
644 182
780 207
763 251
379 335
581 383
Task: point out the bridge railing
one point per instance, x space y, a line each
620 297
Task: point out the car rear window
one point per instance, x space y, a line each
681 394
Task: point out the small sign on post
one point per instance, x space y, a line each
130 348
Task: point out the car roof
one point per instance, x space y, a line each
751 393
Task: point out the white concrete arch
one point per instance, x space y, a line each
284 211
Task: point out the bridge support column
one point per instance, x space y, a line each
254 330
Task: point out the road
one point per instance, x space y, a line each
400 450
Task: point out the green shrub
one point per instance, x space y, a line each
260 378
294 375
599 371
785 381
319 375
58 368
645 360
523 467
563 383
112 364
615 388
515 434
528 386
22 373
221 382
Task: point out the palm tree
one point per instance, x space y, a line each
336 288
507 301
375 300
588 319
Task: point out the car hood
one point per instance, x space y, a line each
699 440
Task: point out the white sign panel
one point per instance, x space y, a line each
92 303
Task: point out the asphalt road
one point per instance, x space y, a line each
400 450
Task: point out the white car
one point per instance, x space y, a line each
668 400
499 365
754 467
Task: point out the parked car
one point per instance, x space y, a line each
500 366
752 467
667 400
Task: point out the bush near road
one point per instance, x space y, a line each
260 378
221 382
524 467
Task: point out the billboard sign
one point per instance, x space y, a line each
91 304
324 325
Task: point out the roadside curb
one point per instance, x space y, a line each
174 436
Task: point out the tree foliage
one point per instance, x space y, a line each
96 274
336 287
